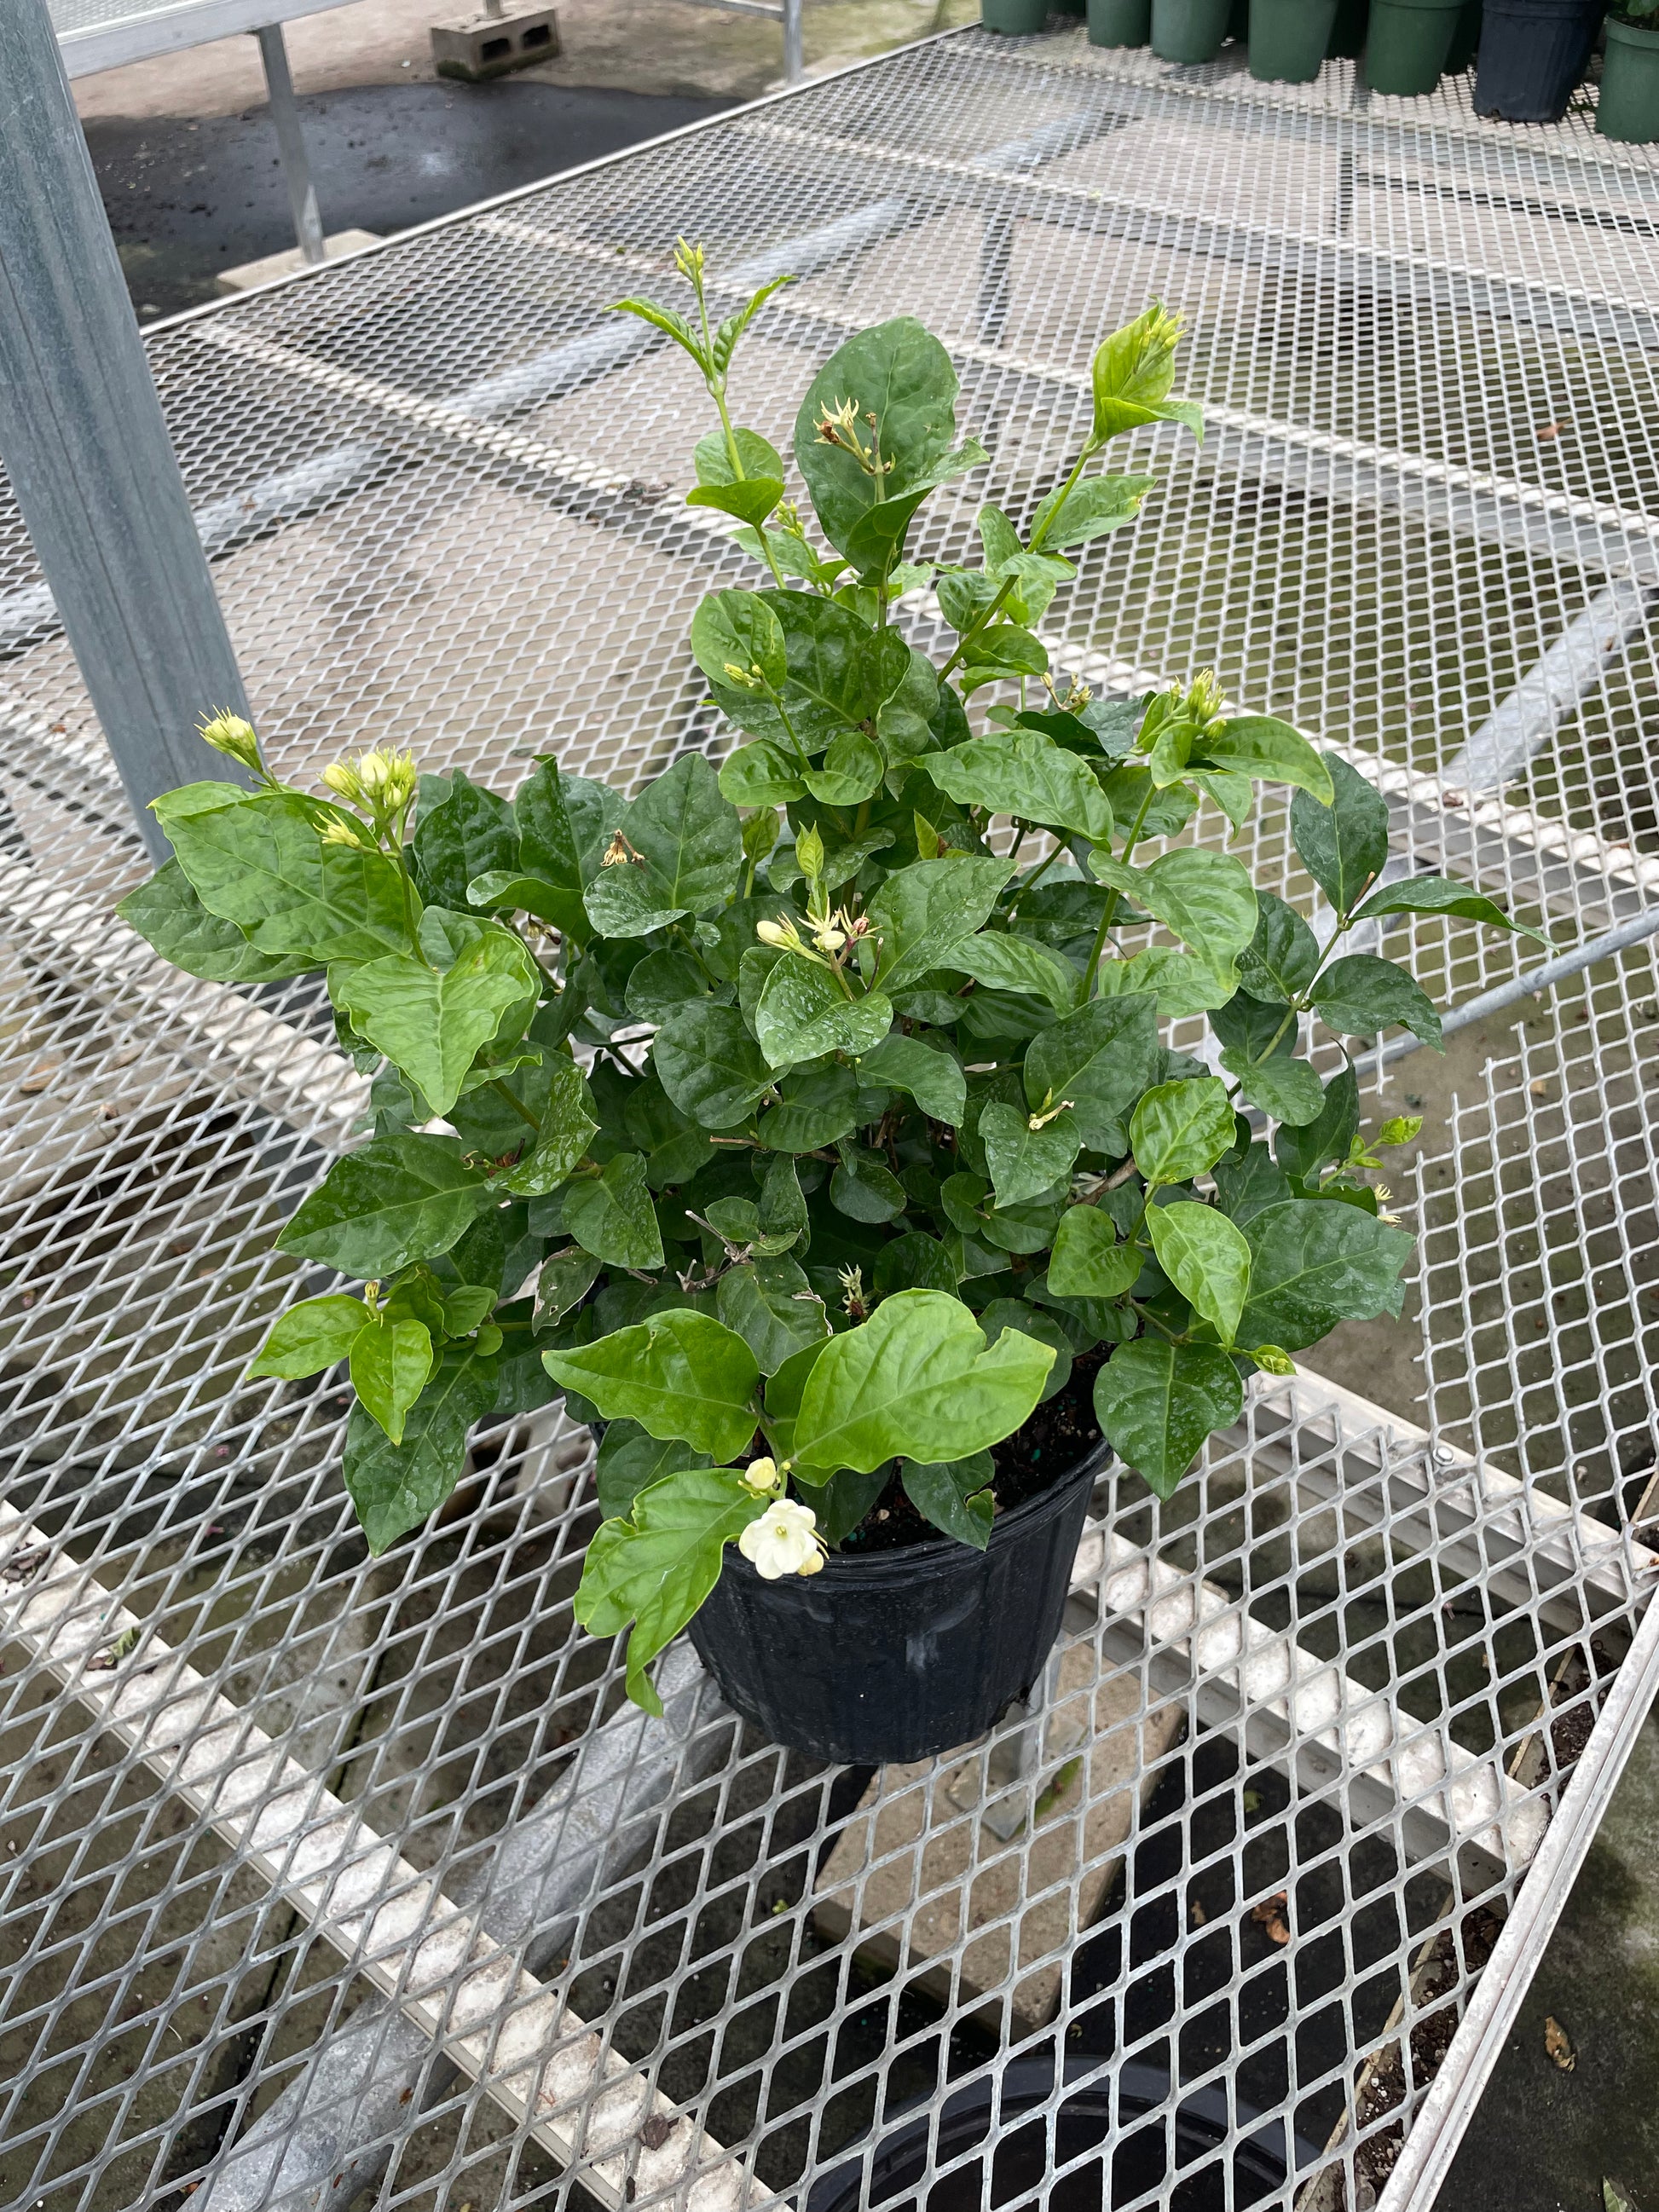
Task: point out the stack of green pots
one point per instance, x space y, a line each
1629 106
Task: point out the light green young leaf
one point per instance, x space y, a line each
1132 373
1024 774
669 323
391 1362
1206 1259
760 774
1361 994
1287 1089
1180 1129
1442 895
752 497
1102 1058
1301 1150
610 1215
1344 845
851 770
166 913
1155 1402
311 1336
656 1567
934 1079
1206 898
568 1118
733 327
1026 1162
773 1307
1270 751
1087 1261
710 1066
955 1496
630 1461
394 1199
1006 962
915 1380
431 1022
395 1488
1090 509
922 912
1314 1264
679 1373
803 1013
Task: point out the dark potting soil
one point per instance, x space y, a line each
1053 1440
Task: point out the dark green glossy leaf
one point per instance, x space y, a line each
1206 898
1026 1162
956 1496
1102 1058
803 1013
922 912
1278 962
568 1120
1155 1402
1362 995
933 1079
166 913
630 1459
771 1305
1287 1089
395 1200
817 1107
611 1216
469 833
1004 962
1441 895
1301 1151
1345 844
864 1187
679 1373
710 1066
1314 1264
1270 751
395 1488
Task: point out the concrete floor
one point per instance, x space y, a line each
185 156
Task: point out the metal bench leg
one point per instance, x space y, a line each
290 142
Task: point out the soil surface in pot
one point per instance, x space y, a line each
1053 1440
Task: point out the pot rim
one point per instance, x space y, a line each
879 1567
1632 34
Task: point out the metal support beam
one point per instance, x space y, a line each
291 143
794 50
84 439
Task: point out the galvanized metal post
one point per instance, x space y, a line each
84 439
291 143
794 49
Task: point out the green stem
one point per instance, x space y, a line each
976 627
1147 1314
1092 975
1037 536
517 1104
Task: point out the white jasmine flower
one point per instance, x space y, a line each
785 1541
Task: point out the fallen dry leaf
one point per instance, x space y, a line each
1613 2198
1200 1916
1547 430
1272 1915
1558 2045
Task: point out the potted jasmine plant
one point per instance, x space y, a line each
809 1123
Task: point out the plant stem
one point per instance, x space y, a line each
517 1104
1110 909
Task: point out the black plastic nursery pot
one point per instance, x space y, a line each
901 1654
1347 41
1533 52
1628 109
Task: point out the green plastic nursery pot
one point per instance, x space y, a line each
1014 19
1409 44
1288 39
1347 41
1629 83
1188 30
1120 22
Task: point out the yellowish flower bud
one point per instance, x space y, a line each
831 940
762 1475
342 833
773 932
340 779
230 735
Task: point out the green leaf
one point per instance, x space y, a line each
1042 1327
955 1496
1180 1129
1005 963
738 631
817 1106
630 1461
839 670
760 774
390 1361
1206 1259
468 832
431 1022
662 981
1132 373
257 858
933 1079
1102 1058
726 340
623 901
679 1373
1345 844
311 1336
1270 751
864 1187
568 1118
773 1307
1026 1162
803 1013
1361 994
1302 1150
1155 1402
1441 895
1248 1185
689 835
710 1066
166 913
1287 1089
922 912
1206 898
1090 509
610 1215
395 1488
903 376
752 497
913 1262
1087 1261
1004 650
548 847
565 1280
1180 983
1312 1265
1233 794
1280 960
395 1200
913 1380
656 1568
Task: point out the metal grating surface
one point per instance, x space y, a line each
322 1875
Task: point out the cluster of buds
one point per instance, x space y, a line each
380 781
230 735
619 851
834 932
854 1304
1070 702
785 1541
839 426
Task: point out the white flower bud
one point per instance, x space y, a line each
341 780
773 932
230 735
830 939
782 1542
762 1475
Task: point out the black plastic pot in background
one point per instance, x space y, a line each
1098 2115
903 1654
1347 41
1466 39
1533 52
